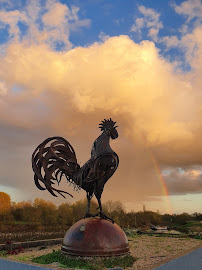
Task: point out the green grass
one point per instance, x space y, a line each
130 233
3 253
24 258
198 237
193 223
23 223
83 263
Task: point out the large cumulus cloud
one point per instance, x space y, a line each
158 108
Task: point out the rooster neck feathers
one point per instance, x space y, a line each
101 145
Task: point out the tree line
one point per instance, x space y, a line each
46 214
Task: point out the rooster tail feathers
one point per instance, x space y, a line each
52 159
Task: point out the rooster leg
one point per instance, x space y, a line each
88 204
101 214
89 197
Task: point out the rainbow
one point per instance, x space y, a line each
159 175
162 182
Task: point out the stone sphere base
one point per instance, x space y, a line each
95 237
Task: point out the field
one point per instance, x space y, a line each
29 236
192 226
149 251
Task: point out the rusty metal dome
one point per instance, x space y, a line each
95 237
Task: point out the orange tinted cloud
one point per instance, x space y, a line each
69 93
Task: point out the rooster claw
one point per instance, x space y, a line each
103 216
87 215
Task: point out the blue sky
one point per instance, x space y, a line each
109 18
65 65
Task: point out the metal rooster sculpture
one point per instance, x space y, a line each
55 158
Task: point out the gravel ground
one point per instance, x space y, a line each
151 251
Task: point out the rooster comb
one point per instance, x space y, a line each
107 124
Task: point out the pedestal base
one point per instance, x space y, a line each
95 237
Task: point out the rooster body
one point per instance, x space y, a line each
55 158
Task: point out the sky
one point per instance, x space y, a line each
67 65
